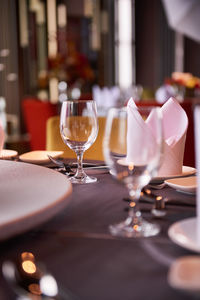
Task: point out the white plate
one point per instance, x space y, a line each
6 154
30 195
183 184
39 156
184 234
184 274
186 171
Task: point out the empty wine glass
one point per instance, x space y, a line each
79 129
132 150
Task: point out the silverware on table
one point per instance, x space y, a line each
159 202
61 164
149 196
30 280
158 210
158 186
69 167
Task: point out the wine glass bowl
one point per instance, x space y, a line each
132 150
79 129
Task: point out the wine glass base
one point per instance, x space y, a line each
133 230
83 180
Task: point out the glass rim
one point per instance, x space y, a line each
78 100
137 107
124 109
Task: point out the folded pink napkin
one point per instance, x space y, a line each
143 134
2 136
175 124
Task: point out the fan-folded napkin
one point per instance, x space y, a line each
106 97
175 124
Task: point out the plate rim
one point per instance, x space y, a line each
39 161
177 241
13 153
183 174
181 188
29 220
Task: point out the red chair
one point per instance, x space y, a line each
36 113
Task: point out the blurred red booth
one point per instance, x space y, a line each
35 114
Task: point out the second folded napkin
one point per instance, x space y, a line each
175 124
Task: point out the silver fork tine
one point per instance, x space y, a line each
56 161
61 164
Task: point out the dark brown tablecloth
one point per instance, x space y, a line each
78 249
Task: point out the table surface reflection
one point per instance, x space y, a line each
78 249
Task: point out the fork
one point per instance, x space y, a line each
69 167
56 161
62 165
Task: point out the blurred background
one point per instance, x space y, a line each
108 50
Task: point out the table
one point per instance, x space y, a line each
78 249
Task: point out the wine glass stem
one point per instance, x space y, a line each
134 213
79 172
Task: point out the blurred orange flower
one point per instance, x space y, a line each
186 79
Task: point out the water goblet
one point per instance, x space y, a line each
133 150
79 129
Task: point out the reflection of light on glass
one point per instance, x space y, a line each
34 288
62 97
27 256
62 15
62 86
136 227
52 31
53 90
125 45
131 167
4 52
160 202
2 67
148 192
132 204
48 286
76 93
12 77
29 266
158 198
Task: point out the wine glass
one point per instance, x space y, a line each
79 129
133 149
